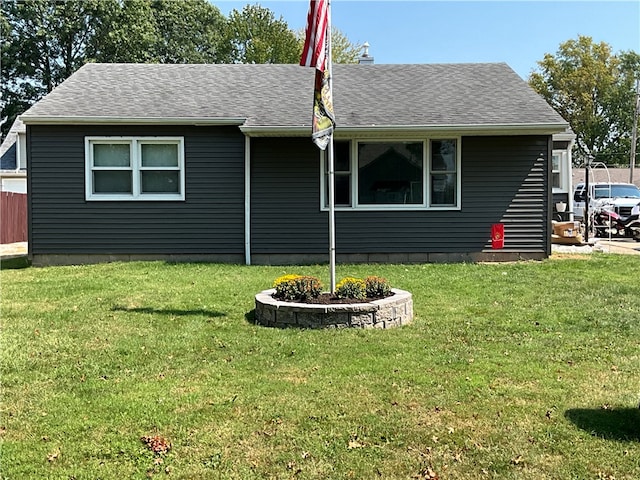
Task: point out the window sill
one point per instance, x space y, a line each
131 198
393 208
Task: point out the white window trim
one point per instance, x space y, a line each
135 149
426 177
564 165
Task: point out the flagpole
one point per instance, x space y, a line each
332 206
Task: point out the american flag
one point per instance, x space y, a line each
316 53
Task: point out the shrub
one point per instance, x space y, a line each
350 287
297 287
377 287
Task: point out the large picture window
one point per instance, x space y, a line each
134 168
379 174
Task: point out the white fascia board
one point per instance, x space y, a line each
13 173
276 131
564 137
403 130
41 120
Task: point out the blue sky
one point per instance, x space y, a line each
516 32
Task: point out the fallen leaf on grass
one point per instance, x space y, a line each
53 456
427 474
157 444
355 444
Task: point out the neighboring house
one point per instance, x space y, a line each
216 163
13 185
603 174
13 159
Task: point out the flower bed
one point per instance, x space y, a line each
388 312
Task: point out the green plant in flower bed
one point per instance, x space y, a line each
350 287
297 287
377 287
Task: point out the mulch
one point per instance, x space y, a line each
329 299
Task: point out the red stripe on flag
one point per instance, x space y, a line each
314 52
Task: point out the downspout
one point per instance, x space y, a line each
549 185
247 200
29 195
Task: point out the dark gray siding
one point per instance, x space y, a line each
504 179
209 221
285 197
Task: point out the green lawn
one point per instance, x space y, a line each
518 371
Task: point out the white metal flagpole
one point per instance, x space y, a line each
332 206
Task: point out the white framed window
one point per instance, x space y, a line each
559 176
134 168
394 174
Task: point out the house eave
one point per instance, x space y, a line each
403 130
13 173
107 120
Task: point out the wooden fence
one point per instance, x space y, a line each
13 217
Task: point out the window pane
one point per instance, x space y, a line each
341 157
556 180
111 155
443 155
555 162
390 173
117 181
160 181
342 189
443 189
159 155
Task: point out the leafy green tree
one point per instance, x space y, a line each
621 108
255 36
162 31
189 31
128 33
43 42
343 50
592 89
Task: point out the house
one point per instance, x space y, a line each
13 159
215 163
13 185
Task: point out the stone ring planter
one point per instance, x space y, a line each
389 312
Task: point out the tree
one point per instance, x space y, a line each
592 89
342 49
43 43
162 31
128 33
189 32
255 36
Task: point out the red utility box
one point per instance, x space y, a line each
497 235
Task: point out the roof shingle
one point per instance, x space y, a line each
281 95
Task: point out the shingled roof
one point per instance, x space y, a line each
280 96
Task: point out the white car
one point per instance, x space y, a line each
622 197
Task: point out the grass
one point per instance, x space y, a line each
515 371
